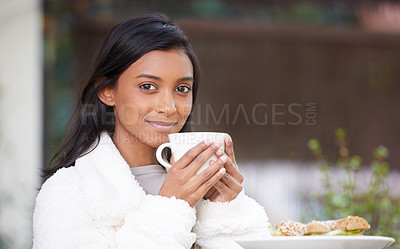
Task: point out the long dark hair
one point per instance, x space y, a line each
122 46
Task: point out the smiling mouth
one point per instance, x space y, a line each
162 126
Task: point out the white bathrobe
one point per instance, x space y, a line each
98 204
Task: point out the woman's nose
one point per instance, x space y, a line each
166 104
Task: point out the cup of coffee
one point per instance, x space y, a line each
180 143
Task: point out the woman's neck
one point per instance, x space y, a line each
135 152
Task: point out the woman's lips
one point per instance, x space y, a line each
162 126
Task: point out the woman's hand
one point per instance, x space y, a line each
181 180
229 186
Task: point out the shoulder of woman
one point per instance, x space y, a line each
64 180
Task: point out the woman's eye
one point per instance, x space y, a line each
148 87
183 89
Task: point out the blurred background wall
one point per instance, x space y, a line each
21 122
274 75
281 71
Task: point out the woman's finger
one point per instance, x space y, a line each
225 193
172 159
233 171
202 158
231 168
231 183
207 185
209 172
212 168
191 154
210 193
214 195
229 149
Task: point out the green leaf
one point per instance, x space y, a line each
325 168
339 232
375 166
370 204
384 167
355 162
340 133
339 201
381 152
313 144
343 151
385 203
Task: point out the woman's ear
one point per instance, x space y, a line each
106 96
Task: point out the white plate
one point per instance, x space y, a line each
317 242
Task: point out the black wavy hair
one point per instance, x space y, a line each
122 46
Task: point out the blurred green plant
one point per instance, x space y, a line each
348 197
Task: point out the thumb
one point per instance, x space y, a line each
172 160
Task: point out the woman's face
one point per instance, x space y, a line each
153 97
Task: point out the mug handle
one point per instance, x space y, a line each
159 157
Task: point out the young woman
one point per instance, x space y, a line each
106 189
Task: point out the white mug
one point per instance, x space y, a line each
180 143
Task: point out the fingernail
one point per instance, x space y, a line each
222 170
224 158
219 152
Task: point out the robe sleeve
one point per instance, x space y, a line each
220 223
61 222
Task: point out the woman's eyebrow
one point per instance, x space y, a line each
143 75
187 79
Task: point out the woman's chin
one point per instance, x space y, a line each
156 139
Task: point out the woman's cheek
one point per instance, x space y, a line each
128 114
185 108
